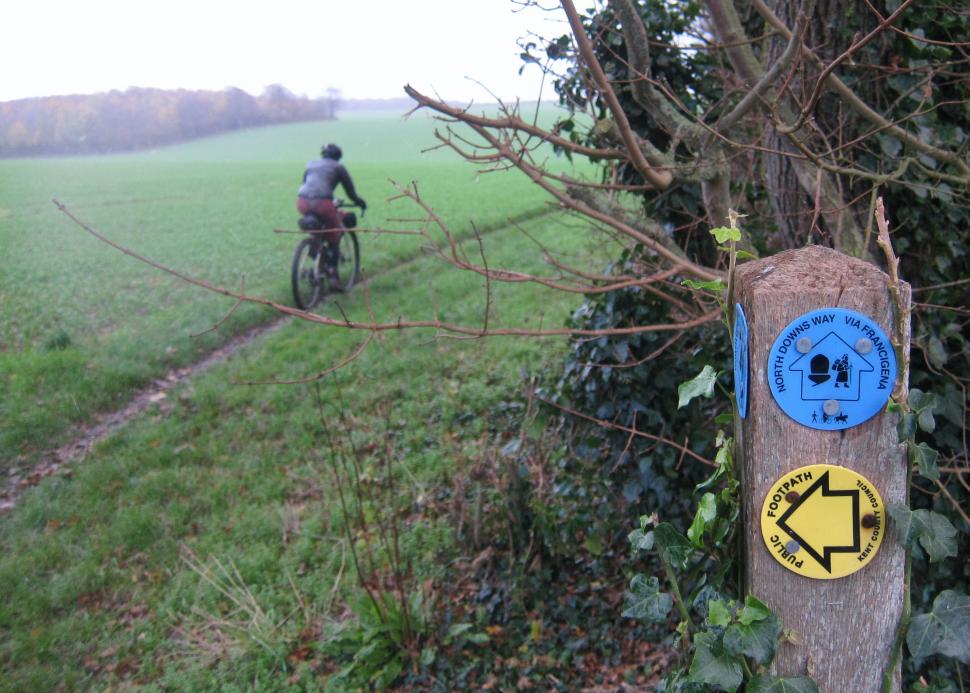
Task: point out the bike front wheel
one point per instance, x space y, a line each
348 263
305 273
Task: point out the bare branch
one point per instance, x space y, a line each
765 83
861 106
512 123
536 175
358 350
239 302
736 44
320 232
638 49
627 429
656 176
400 324
901 328
816 92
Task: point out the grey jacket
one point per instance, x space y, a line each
322 177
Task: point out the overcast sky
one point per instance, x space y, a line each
365 48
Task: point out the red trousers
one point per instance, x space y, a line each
325 209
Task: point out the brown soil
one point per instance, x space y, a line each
104 424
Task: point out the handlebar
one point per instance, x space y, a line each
341 204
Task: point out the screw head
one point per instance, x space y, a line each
804 345
863 345
791 496
869 521
792 546
831 407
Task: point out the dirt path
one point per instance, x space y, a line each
57 461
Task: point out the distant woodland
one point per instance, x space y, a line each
141 118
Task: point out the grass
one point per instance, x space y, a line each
202 547
81 327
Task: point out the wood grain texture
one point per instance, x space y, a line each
846 626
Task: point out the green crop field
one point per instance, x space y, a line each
204 546
82 325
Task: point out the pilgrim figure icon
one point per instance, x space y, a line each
831 369
842 370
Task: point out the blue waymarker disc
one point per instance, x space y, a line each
741 360
832 369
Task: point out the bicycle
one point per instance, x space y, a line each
320 266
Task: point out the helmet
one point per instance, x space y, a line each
331 151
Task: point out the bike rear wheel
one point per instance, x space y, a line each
305 273
348 263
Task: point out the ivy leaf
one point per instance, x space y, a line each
906 428
891 147
754 610
920 400
715 285
936 352
926 421
706 513
646 601
944 630
936 535
765 683
640 540
673 547
428 656
923 404
724 419
456 631
757 640
934 532
723 234
621 352
924 457
718 613
903 517
711 665
701 385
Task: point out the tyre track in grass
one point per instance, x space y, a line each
57 461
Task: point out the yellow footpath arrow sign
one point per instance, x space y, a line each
823 521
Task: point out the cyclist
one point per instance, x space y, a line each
320 180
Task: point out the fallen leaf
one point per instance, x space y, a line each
300 654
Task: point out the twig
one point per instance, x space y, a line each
830 68
945 285
627 429
319 232
855 102
375 326
649 357
239 302
655 176
902 313
317 376
953 501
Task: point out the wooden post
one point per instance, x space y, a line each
842 629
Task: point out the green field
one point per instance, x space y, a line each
204 547
81 325
98 562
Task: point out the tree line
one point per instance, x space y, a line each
139 117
